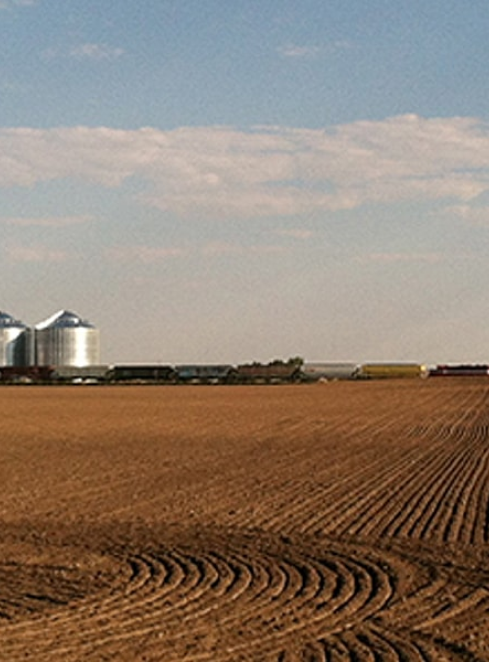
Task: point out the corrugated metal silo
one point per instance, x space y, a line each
13 341
64 339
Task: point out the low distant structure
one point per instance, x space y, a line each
65 349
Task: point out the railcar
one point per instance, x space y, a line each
270 373
205 374
391 370
313 372
461 370
67 374
145 373
26 375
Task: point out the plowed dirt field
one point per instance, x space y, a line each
337 522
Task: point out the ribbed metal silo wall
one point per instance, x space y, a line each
14 347
77 347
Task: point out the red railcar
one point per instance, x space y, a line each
26 375
461 370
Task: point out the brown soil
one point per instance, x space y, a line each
345 521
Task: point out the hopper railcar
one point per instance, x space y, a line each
461 370
26 375
269 373
391 371
313 372
205 374
143 373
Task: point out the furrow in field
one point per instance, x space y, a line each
354 510
460 604
477 511
420 512
389 647
473 513
377 476
397 474
425 487
316 498
329 501
374 498
265 598
452 527
422 523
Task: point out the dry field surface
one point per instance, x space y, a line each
336 522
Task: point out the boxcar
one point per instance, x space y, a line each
270 373
205 374
141 373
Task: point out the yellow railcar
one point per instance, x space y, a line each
391 370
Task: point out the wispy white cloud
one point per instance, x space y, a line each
153 254
296 51
221 248
268 171
477 216
45 221
226 248
38 253
299 51
401 257
9 4
92 51
296 233
146 254
87 51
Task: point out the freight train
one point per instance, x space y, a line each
275 372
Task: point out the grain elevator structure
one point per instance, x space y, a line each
15 339
65 339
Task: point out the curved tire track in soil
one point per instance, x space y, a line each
366 541
273 599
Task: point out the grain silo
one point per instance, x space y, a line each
13 341
64 339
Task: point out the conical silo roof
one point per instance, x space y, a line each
64 319
9 322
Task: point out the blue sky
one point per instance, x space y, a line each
216 181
